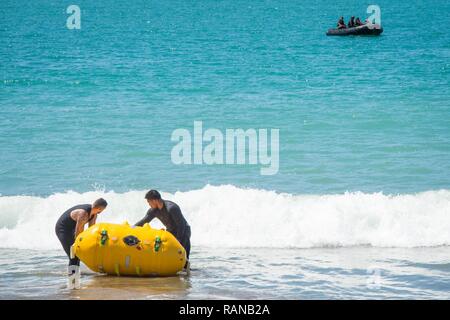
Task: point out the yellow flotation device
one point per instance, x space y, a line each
119 249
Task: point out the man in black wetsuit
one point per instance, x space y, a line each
351 23
341 23
170 215
71 224
358 22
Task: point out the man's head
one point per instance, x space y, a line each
98 206
154 199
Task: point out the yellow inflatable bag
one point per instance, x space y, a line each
120 249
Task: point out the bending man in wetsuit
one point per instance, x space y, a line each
71 224
170 215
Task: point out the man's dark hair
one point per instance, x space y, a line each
100 203
153 195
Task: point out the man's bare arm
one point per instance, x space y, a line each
81 217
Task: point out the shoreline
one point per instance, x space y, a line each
255 273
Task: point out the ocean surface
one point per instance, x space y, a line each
360 205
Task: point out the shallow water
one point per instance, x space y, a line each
246 273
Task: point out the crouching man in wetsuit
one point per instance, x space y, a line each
69 226
170 215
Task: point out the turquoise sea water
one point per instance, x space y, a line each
363 181
90 108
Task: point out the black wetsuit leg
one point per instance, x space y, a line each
186 241
67 239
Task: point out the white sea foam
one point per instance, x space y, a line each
227 216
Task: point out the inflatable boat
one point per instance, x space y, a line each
364 30
120 249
